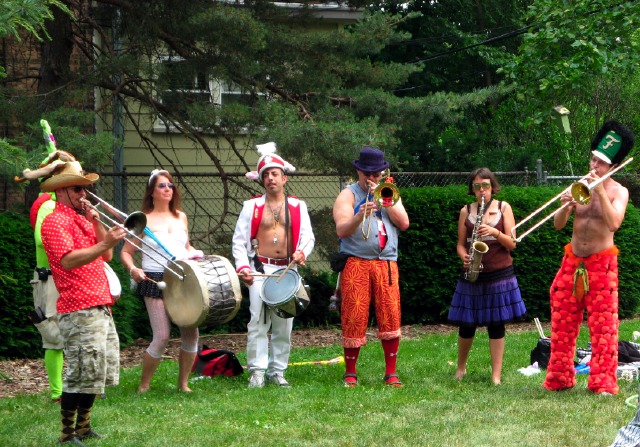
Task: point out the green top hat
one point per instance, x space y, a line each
612 143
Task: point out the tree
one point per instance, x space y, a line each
582 54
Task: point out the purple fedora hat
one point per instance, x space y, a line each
371 160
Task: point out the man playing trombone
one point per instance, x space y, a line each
77 247
588 276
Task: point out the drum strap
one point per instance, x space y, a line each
286 225
256 261
258 264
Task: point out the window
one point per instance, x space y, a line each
231 93
182 84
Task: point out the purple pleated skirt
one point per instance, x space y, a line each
493 299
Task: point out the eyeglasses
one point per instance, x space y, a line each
165 185
484 185
78 189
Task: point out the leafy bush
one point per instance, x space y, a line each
429 265
429 268
17 260
129 312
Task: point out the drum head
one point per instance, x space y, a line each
187 300
274 292
287 298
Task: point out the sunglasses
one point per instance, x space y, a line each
484 185
372 174
165 185
78 189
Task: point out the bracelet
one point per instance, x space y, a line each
131 270
499 233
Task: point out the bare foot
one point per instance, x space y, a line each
460 374
142 390
496 381
184 389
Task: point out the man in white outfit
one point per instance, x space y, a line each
273 231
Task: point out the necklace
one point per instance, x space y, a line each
276 221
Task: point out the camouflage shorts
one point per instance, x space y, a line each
92 350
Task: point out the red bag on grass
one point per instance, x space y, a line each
216 362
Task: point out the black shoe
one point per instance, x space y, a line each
73 440
90 434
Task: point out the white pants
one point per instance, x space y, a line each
259 358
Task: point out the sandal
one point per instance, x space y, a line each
392 380
350 380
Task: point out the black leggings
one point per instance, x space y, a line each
495 331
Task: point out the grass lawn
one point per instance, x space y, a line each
430 410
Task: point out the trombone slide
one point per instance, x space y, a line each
580 192
134 224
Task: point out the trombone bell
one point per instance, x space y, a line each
581 192
136 222
386 194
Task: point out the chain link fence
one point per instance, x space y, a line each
213 202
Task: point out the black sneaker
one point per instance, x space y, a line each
73 440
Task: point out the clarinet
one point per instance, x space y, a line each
477 248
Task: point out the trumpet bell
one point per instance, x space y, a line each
386 194
136 222
581 192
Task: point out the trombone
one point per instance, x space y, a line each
135 224
385 194
580 192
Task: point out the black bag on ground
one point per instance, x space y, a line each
541 353
628 352
216 362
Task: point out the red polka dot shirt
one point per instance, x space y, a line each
86 286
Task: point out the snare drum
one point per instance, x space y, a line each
287 298
209 292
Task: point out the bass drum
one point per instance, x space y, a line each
287 298
209 293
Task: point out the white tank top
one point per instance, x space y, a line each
175 242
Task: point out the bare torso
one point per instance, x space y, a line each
591 233
271 234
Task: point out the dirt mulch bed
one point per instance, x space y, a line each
28 376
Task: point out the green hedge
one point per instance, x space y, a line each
429 265
429 268
19 337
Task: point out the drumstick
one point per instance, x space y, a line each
291 263
161 284
260 274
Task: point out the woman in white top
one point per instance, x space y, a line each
161 205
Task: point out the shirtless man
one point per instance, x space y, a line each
272 231
588 277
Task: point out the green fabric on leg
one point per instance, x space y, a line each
53 362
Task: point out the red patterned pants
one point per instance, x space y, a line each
361 280
567 308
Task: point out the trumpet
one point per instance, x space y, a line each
135 224
580 192
385 194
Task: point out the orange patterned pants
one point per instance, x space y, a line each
361 280
601 303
